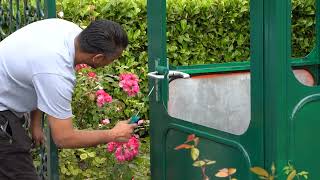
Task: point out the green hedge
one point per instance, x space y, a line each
303 27
199 31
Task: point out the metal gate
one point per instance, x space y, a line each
271 118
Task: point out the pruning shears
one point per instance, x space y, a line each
135 118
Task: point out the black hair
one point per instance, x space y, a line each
103 36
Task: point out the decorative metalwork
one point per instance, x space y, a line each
43 168
15 14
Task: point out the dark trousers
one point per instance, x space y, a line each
15 158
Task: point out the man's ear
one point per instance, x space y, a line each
98 58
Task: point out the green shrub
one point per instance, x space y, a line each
303 27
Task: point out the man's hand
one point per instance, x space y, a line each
122 131
38 135
65 136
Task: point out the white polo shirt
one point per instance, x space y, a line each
37 68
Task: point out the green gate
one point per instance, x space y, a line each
270 118
15 14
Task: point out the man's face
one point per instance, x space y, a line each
101 60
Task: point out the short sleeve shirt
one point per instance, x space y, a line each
37 68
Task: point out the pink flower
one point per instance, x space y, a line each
124 151
105 121
128 155
103 97
81 66
100 92
119 154
129 83
92 74
111 146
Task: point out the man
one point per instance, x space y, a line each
37 75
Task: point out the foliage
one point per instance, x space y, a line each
303 27
29 11
192 143
263 174
96 163
288 170
85 163
292 172
198 31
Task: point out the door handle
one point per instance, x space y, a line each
171 74
174 74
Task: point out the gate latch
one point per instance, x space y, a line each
171 74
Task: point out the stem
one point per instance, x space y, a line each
110 75
83 105
80 118
203 172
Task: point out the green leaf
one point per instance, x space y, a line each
183 24
209 162
292 175
136 34
273 169
195 153
74 172
303 173
92 154
198 163
259 171
83 156
63 170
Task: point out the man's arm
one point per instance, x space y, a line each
36 118
54 95
37 133
65 136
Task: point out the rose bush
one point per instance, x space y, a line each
95 108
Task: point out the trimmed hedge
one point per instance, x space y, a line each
199 31
303 27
